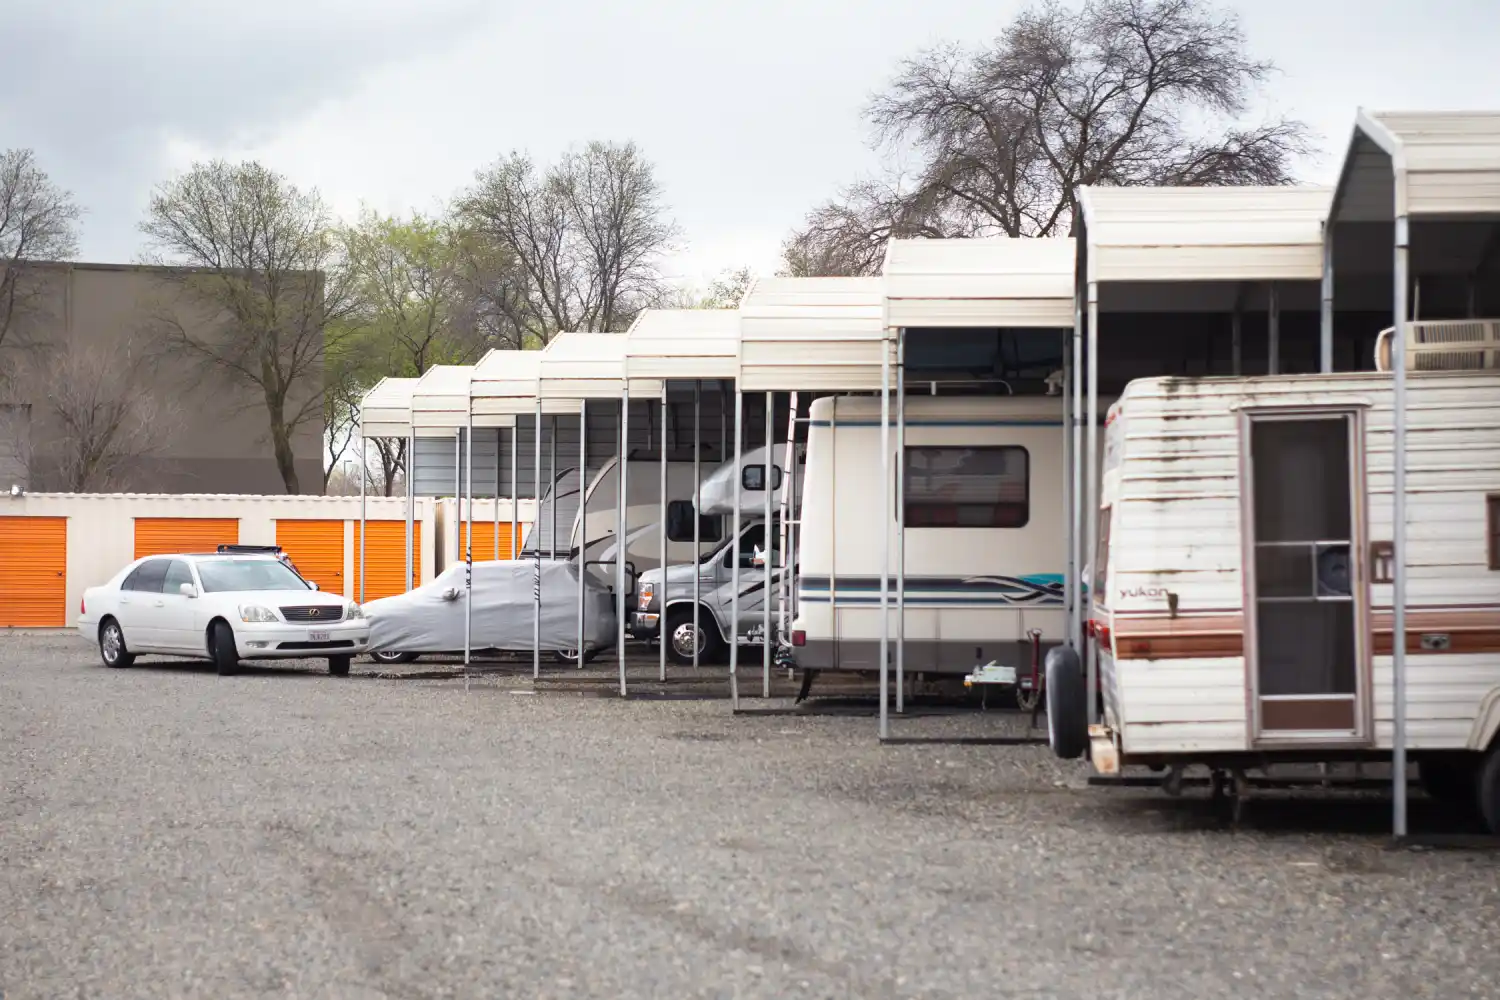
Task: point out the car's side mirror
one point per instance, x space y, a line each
314 586
187 590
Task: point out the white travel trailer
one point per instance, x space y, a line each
1243 602
984 533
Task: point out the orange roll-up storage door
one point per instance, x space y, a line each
159 536
316 549
386 563
33 572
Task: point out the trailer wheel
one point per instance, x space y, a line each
1067 704
1489 790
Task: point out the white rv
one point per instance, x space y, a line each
984 526
1243 606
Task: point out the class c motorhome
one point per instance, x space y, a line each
985 542
1242 611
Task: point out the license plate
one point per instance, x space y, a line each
317 637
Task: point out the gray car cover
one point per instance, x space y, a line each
430 619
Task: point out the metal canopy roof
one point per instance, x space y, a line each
440 399
1178 234
993 282
1427 163
577 366
812 334
385 411
682 344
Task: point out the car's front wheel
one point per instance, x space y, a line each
392 657
338 666
221 647
112 648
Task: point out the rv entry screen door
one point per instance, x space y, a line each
1305 651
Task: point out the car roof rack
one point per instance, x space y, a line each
257 550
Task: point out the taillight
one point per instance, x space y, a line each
83 607
799 638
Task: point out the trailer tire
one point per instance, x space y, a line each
1067 704
1489 790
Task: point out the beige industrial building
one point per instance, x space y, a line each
206 433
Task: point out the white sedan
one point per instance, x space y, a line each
223 607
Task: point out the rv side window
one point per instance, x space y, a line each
680 524
1101 560
968 487
1492 512
754 478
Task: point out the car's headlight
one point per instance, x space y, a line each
355 611
643 599
256 613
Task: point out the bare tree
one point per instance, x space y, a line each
582 241
1115 92
723 292
264 256
389 465
106 423
38 223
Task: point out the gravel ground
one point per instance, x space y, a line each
169 833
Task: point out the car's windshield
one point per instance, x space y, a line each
227 575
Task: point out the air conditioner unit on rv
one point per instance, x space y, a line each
1444 345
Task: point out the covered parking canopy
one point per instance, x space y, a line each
686 346
801 335
574 369
1417 209
385 412
1166 276
955 309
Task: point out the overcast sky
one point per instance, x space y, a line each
751 111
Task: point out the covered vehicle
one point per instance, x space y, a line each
430 619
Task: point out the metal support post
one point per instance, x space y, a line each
885 535
363 475
1091 505
734 548
768 580
536 574
620 530
583 514
697 517
661 597
900 520
1070 497
411 502
1325 325
468 529
1398 529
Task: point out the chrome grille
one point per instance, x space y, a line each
314 614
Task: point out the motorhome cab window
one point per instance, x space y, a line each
967 487
754 477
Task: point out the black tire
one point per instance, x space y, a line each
570 657
221 647
680 648
112 649
338 666
1449 779
1489 790
389 658
1067 704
